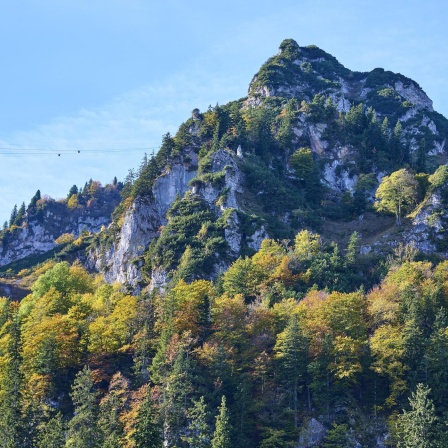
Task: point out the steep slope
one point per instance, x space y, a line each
46 220
307 146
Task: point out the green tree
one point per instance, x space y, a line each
11 385
83 431
13 216
198 429
420 162
396 193
417 427
111 407
221 436
291 350
338 437
52 433
352 249
147 432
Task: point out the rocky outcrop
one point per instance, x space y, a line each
141 224
428 226
45 223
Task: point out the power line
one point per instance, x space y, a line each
67 151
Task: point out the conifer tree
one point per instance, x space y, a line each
83 431
35 198
11 384
221 436
338 437
52 433
111 406
13 216
147 431
420 163
352 249
198 430
20 215
417 427
291 350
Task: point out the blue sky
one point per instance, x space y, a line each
97 74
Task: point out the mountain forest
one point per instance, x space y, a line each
275 276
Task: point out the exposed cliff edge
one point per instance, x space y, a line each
45 221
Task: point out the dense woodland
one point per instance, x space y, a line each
281 336
245 356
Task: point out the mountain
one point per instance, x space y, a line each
245 165
276 275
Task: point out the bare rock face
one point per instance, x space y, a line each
312 434
141 225
43 226
429 224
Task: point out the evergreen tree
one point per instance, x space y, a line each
82 429
35 198
291 350
111 406
198 430
11 384
418 427
5 225
420 163
147 431
221 436
20 215
436 358
352 249
52 433
13 215
73 190
338 437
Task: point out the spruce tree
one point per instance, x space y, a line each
338 437
111 407
35 198
52 433
11 384
418 427
198 430
221 436
291 351
147 431
13 216
83 431
20 215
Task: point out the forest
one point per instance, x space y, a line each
286 334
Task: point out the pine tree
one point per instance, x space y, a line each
147 431
82 429
198 429
221 436
418 427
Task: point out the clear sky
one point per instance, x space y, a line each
99 74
